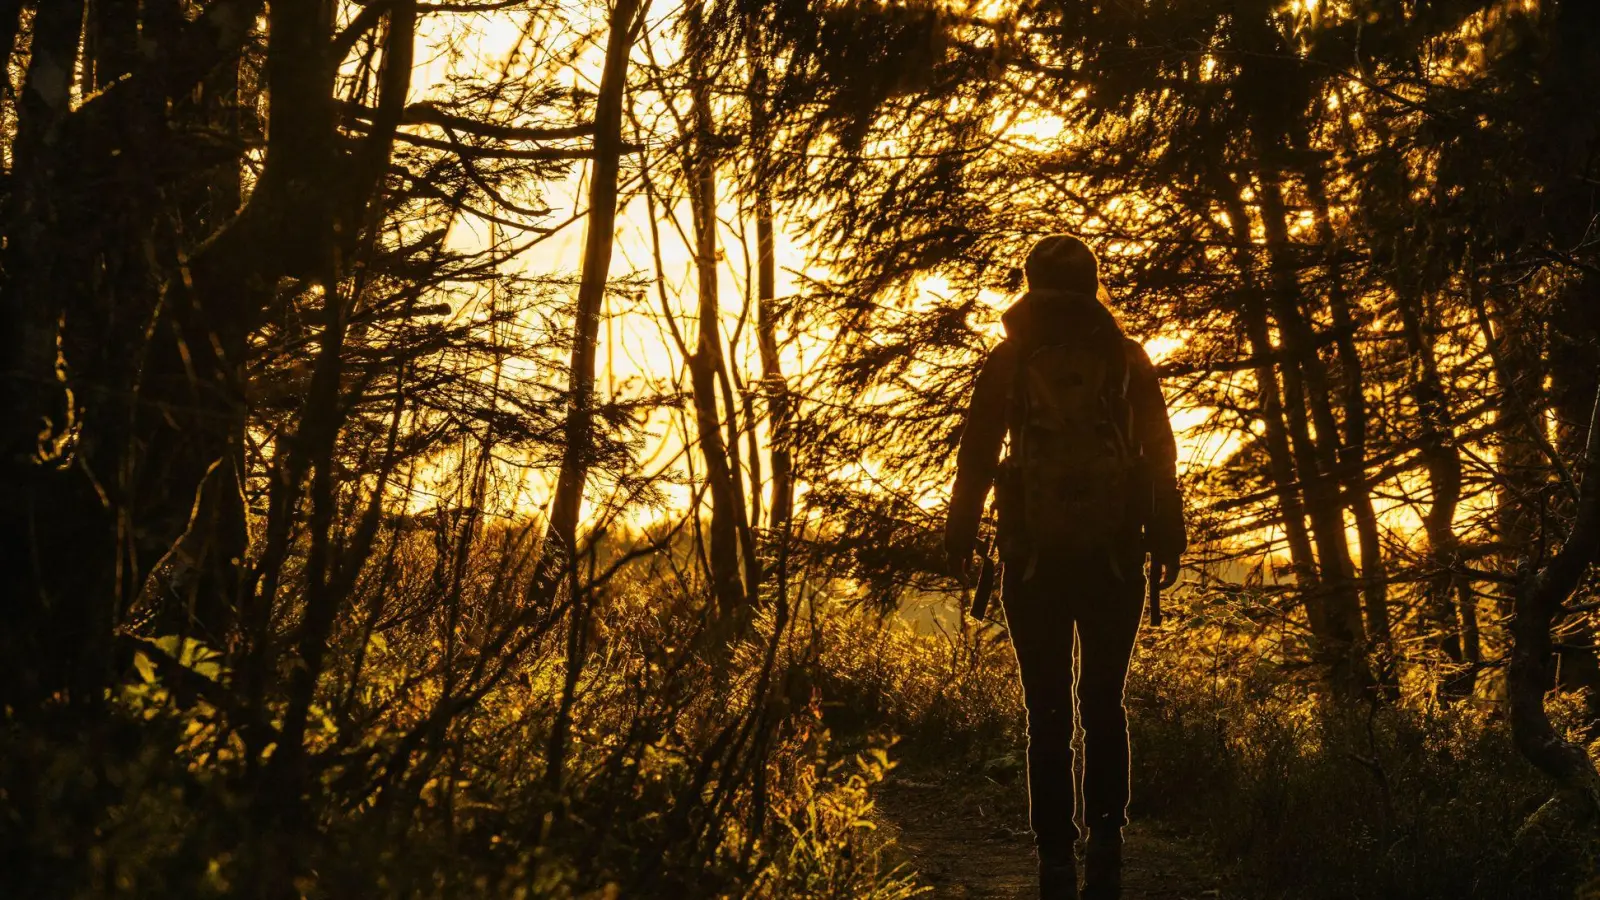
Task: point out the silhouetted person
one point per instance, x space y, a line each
1086 491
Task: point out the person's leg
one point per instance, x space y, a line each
1108 611
1041 636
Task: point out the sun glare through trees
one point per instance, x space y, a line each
532 448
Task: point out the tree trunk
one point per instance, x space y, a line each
1306 387
779 405
1280 459
1451 603
10 26
747 539
597 247
1537 605
568 502
706 360
1521 496
1353 449
1574 378
67 578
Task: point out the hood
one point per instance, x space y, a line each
1052 316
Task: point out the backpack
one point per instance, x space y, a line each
1074 464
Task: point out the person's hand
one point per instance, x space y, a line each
1165 572
959 566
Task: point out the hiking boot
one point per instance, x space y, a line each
1058 876
1102 865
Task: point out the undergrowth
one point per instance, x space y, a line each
699 766
1304 797
696 765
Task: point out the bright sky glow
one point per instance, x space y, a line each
637 356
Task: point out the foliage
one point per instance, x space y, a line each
1414 799
661 799
1311 798
297 434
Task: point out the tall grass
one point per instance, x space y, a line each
1234 741
692 768
702 765
1406 800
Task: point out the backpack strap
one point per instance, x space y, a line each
1119 405
1134 364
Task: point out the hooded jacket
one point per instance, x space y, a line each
1044 317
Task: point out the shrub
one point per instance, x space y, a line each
691 767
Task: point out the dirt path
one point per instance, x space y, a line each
971 841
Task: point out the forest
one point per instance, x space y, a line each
500 448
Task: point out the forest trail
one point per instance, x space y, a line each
971 841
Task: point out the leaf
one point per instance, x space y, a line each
147 669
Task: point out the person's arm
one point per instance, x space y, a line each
1167 535
979 455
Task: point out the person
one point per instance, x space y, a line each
1088 488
